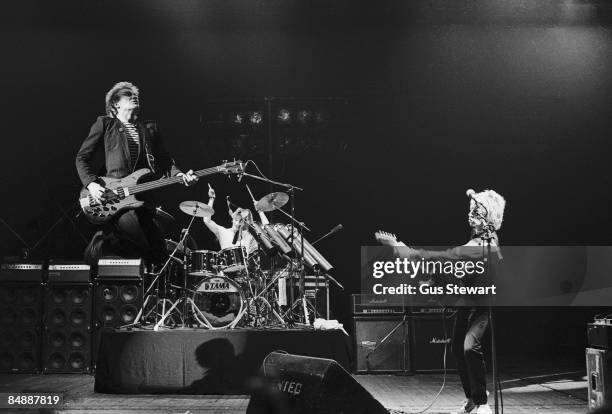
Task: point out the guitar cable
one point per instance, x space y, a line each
435 398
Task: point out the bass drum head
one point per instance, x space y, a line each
218 300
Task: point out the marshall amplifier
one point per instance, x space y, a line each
117 269
21 272
598 363
599 333
382 343
68 273
370 304
431 342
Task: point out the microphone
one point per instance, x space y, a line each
236 234
332 231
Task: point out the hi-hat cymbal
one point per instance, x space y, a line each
271 202
196 208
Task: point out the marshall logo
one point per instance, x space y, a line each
290 387
435 340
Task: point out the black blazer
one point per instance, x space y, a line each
110 133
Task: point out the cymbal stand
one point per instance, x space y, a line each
183 300
291 190
253 301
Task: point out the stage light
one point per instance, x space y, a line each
283 116
304 116
255 117
237 118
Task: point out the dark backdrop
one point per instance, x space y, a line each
444 96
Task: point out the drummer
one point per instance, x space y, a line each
238 234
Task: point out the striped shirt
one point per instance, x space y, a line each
133 141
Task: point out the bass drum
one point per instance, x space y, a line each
217 302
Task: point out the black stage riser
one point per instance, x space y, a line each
20 327
67 337
197 361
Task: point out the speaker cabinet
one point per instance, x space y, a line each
599 362
306 385
116 303
67 328
431 336
382 343
20 327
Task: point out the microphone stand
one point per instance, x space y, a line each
291 190
486 237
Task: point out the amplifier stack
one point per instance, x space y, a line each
51 315
391 336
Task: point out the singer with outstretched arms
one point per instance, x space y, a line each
485 216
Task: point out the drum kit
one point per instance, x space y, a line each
232 288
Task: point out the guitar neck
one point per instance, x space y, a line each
162 182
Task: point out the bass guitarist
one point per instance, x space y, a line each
128 145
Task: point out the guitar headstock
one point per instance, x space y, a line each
386 238
232 167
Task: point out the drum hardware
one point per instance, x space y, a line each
194 209
276 201
227 289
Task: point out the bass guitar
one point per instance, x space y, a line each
123 193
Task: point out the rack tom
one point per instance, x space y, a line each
232 259
203 263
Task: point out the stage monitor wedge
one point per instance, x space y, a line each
307 385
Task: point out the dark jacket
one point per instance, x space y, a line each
110 133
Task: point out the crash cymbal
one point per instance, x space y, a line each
196 208
160 213
271 202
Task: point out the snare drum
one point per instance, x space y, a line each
217 302
232 259
203 263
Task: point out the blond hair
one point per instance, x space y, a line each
495 205
116 92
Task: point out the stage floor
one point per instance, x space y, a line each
547 390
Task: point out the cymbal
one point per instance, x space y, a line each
196 208
271 202
160 213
